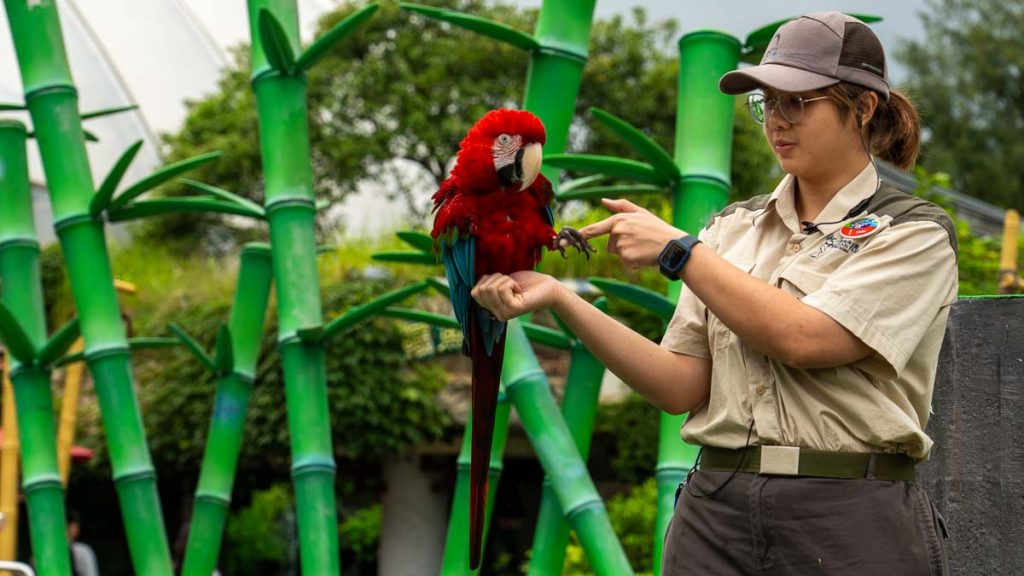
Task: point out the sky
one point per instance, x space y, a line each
740 17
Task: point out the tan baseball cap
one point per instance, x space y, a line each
815 51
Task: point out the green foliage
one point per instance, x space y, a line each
632 516
257 535
632 456
360 533
379 403
966 78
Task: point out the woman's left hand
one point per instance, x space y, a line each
506 297
634 234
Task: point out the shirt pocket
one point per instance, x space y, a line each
720 334
802 280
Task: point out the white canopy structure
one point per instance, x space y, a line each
155 53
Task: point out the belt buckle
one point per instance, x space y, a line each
780 460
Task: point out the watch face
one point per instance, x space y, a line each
675 255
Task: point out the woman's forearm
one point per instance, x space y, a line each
673 382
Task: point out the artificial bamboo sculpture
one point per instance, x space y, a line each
280 86
237 354
579 408
23 331
79 213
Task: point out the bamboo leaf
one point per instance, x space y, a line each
311 334
432 318
102 198
609 165
159 206
59 343
107 112
417 240
373 307
546 336
133 343
322 45
193 346
151 342
758 40
642 297
6 107
585 181
89 136
496 30
609 191
440 286
14 337
161 176
224 194
405 256
276 45
326 249
225 359
648 149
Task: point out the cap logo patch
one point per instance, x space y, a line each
860 228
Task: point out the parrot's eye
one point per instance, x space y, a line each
504 139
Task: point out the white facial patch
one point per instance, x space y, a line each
504 149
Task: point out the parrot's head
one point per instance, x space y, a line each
502 150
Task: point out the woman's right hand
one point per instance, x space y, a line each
520 293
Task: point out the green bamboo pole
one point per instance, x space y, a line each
234 387
556 69
527 386
280 86
53 103
703 153
579 408
22 293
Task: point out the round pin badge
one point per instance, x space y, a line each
859 228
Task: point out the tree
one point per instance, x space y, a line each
967 77
389 106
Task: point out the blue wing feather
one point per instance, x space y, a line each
458 257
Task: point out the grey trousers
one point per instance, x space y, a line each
779 525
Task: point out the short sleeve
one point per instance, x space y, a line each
890 293
687 332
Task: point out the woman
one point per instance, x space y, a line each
806 338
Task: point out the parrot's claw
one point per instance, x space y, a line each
572 237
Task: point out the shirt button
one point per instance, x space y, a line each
794 248
760 390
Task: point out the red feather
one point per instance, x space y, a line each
511 227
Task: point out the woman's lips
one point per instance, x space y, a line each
783 146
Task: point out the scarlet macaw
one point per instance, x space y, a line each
493 216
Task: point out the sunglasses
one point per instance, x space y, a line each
791 106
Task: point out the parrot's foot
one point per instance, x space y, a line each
571 237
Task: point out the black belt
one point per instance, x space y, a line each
793 461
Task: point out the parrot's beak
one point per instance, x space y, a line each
530 163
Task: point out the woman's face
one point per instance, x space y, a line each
817 146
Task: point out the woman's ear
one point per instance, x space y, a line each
866 107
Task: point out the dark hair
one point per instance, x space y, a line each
894 132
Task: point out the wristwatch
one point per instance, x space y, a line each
675 254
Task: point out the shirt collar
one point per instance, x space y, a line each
783 201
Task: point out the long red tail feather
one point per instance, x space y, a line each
486 378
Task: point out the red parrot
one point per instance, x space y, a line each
493 216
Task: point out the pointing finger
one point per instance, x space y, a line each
620 205
599 228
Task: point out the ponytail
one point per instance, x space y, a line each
894 132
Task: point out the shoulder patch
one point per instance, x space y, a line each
904 207
751 204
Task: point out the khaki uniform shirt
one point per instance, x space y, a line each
887 273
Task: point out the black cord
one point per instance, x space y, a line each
743 456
